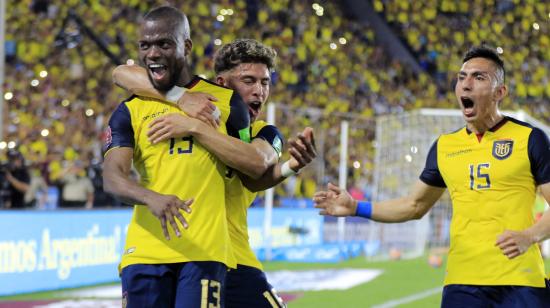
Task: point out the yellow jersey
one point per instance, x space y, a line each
238 198
492 180
179 167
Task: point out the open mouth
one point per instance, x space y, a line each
158 71
467 102
254 108
468 105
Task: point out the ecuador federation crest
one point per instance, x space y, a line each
502 149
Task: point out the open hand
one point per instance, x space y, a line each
302 149
200 106
170 126
335 202
167 209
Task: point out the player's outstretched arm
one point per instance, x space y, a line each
337 202
116 181
134 79
302 152
515 243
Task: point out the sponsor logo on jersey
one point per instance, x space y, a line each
502 149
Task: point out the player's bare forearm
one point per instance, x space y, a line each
302 152
269 179
338 202
116 177
540 231
251 159
133 78
413 206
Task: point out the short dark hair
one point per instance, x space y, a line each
243 51
486 53
170 14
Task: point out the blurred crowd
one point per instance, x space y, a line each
58 92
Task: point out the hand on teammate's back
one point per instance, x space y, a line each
334 202
514 243
200 106
167 209
302 149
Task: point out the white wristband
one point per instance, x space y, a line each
174 94
286 171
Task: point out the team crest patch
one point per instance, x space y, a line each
108 137
502 149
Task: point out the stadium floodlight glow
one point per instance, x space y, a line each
3 145
43 74
217 42
130 62
11 144
220 18
89 112
500 50
35 82
229 12
223 12
8 96
333 46
536 26
319 13
342 40
356 165
315 6
45 132
65 103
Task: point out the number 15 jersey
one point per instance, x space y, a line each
492 181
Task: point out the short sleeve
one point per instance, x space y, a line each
539 156
431 175
273 136
120 132
238 122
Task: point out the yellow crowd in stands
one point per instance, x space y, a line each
326 61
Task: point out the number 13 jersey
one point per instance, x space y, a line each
180 167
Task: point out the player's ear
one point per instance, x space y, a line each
188 47
500 93
220 79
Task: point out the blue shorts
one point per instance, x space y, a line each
248 287
189 284
495 296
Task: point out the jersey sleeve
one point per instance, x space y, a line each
238 123
120 132
273 136
431 175
539 156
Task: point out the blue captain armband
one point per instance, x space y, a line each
364 209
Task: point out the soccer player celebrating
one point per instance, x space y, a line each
159 269
492 168
243 65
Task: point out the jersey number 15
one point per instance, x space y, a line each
479 174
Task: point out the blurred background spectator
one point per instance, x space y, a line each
16 179
58 93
